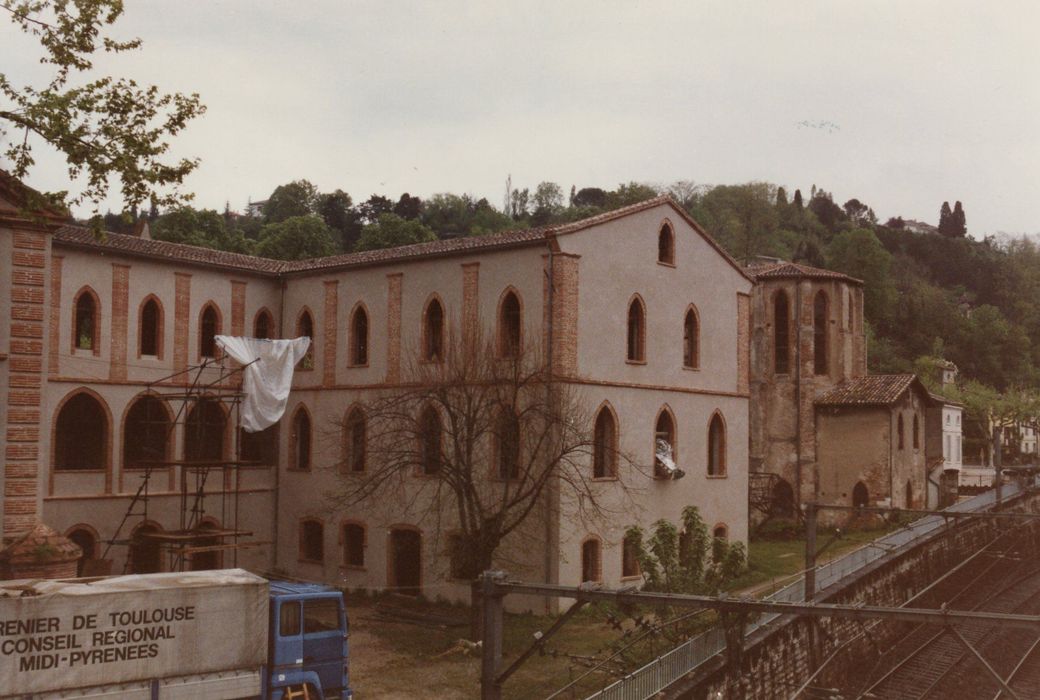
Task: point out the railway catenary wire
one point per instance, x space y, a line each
928 659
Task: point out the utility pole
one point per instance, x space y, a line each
491 644
810 550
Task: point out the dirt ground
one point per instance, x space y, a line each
402 661
379 669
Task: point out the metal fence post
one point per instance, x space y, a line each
491 649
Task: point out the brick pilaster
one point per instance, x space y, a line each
743 342
564 312
238 308
25 381
470 302
181 319
393 327
54 364
120 311
330 333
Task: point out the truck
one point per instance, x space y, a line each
202 634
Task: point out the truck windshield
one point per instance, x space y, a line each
320 615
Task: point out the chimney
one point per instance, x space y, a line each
141 229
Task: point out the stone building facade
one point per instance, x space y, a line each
95 320
812 399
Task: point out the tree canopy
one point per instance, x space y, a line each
296 238
391 231
105 127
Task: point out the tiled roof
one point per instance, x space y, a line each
939 399
787 270
80 237
466 244
872 390
448 246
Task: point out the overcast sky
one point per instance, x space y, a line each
901 104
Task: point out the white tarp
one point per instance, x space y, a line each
268 379
65 635
664 456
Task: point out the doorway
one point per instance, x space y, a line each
406 561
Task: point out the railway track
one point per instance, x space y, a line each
931 663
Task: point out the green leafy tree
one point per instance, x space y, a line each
958 224
392 231
104 127
336 209
630 193
297 198
590 197
946 220
200 227
742 217
408 207
548 203
858 253
684 558
296 238
374 207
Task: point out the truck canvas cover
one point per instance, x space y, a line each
72 634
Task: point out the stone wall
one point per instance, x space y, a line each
778 660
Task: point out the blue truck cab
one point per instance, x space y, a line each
307 643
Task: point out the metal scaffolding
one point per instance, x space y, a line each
204 406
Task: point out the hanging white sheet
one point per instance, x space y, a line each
267 381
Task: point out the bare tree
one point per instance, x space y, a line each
493 438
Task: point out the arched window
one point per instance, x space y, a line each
666 245
604 445
716 446
87 541
900 432
87 322
312 541
300 444
359 337
354 441
430 436
507 439
433 331
145 555
354 545
260 447
204 432
636 331
590 560
81 434
691 342
629 557
720 532
209 328
146 433
509 324
781 333
664 445
917 433
150 329
305 329
263 325
860 495
783 499
820 333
